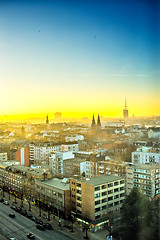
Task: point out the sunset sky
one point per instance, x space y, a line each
79 57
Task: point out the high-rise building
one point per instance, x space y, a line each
125 111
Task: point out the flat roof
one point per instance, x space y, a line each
55 182
98 180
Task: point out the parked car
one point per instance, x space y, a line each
6 203
12 215
1 200
47 226
23 212
30 236
38 221
14 207
40 227
34 218
18 209
29 215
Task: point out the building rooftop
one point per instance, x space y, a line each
57 183
98 180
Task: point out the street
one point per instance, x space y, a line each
19 226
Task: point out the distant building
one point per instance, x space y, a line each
73 138
125 111
47 120
95 199
57 116
95 126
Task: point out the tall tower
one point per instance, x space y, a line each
125 110
93 122
47 120
98 121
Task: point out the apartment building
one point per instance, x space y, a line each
56 161
54 193
140 157
147 177
40 152
96 199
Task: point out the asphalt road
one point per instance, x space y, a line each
19 226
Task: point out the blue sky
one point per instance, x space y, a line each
95 52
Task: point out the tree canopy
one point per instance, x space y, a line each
139 219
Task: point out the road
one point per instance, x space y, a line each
19 226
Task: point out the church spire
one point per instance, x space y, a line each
93 121
98 121
47 120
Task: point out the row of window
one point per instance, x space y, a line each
108 185
108 206
109 192
109 199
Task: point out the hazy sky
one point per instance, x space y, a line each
79 57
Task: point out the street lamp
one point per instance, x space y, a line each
86 227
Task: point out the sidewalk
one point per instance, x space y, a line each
54 221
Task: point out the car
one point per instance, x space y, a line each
6 203
1 200
30 236
23 212
18 209
40 227
47 226
12 215
34 218
12 239
38 221
14 207
29 215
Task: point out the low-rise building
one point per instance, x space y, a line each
54 193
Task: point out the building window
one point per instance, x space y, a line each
97 188
116 196
115 183
79 198
104 200
110 198
104 207
97 202
116 189
104 187
78 185
97 195
104 193
116 203
122 188
110 185
122 182
97 216
110 191
97 209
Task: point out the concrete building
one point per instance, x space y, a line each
144 176
147 177
96 199
56 161
139 157
54 193
40 151
73 138
3 157
154 132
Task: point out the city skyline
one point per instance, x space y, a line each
79 58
